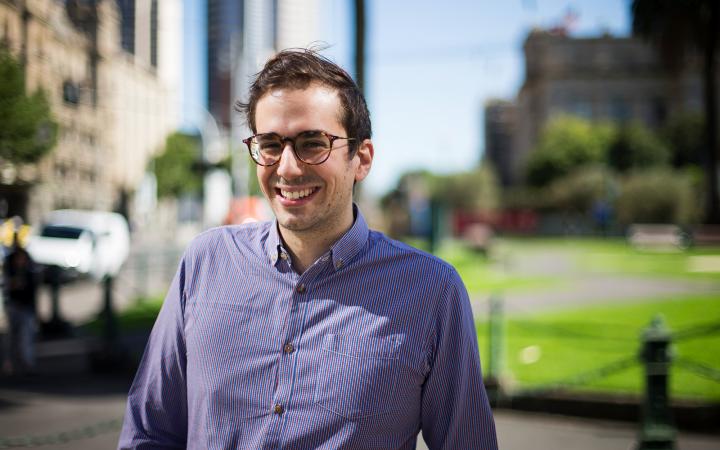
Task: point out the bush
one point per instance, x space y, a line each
581 190
636 147
659 196
474 190
566 144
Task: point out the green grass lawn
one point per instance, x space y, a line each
547 348
481 274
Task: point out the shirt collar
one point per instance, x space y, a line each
351 243
273 245
342 252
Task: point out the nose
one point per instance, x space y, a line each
289 166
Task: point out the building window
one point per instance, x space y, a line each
127 24
71 92
619 110
659 112
582 109
154 33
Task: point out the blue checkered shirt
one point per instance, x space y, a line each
370 345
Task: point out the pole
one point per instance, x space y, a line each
657 431
108 313
495 345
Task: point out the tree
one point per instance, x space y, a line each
568 143
28 128
476 190
684 135
658 195
636 147
675 26
175 166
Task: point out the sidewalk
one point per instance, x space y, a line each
83 412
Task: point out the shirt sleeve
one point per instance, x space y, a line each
156 412
455 409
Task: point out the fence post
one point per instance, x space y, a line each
108 312
57 326
657 431
495 346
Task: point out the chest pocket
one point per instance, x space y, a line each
357 375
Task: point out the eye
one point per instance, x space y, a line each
313 141
314 144
269 146
269 143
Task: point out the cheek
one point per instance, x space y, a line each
263 176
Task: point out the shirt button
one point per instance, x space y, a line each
339 264
283 255
278 409
300 288
288 348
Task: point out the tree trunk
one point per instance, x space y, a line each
712 211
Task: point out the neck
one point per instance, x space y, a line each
306 247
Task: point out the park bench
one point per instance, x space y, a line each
657 237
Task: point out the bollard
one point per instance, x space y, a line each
57 326
108 312
495 345
54 274
657 431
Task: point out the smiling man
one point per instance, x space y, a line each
311 331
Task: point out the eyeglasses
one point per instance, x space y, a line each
311 147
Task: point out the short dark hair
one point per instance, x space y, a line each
299 68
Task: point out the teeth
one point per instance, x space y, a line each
296 194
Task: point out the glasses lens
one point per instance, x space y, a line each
312 147
266 148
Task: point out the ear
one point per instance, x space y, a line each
365 154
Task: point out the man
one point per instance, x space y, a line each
310 332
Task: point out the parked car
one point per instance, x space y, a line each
89 243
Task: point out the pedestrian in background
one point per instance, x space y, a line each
20 280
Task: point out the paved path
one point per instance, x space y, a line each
580 286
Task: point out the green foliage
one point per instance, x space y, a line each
174 167
566 144
474 190
28 129
581 189
659 196
636 147
685 135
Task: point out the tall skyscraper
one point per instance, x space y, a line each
225 39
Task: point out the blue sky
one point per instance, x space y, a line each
431 66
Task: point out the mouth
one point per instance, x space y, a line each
295 197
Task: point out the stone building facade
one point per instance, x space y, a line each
599 78
113 113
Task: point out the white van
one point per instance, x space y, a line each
94 243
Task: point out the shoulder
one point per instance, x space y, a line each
410 259
247 238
